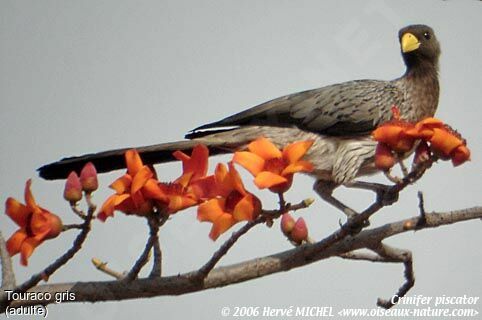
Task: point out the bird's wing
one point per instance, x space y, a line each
348 108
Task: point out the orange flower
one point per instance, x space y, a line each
36 225
179 193
271 167
394 133
186 190
233 205
400 136
137 192
444 141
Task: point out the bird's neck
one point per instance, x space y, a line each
421 68
422 89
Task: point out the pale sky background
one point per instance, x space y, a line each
85 76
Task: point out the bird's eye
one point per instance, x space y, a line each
427 35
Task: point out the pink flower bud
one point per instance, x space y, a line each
88 178
73 188
299 232
287 224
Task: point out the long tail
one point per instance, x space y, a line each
114 159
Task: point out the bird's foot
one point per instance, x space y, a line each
387 195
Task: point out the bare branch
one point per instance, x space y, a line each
247 270
397 255
8 276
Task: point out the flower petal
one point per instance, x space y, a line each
152 190
295 151
250 161
237 183
29 199
140 179
107 209
14 243
133 162
197 163
268 179
180 202
185 179
205 188
28 246
210 210
221 225
444 141
17 212
299 166
40 223
460 155
264 148
122 184
244 209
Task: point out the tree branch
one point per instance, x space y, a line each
8 276
247 270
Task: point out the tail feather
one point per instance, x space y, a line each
114 159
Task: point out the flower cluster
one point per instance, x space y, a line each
221 197
429 135
139 192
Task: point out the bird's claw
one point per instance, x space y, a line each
387 196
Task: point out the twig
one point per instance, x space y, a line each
403 167
8 276
282 201
102 266
78 211
391 177
66 227
290 207
397 255
208 266
157 264
153 222
421 206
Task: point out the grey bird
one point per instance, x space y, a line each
339 118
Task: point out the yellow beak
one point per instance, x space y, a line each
409 42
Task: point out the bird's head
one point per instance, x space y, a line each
419 46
